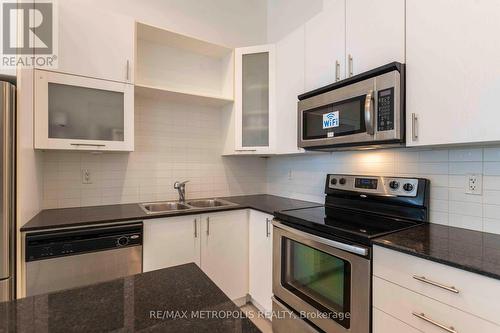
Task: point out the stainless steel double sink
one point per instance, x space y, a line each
176 206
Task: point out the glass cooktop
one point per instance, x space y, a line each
343 223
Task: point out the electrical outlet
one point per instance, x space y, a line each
474 184
86 176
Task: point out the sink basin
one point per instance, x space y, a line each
162 207
175 206
209 203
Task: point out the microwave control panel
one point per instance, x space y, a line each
385 108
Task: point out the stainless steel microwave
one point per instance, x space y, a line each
366 110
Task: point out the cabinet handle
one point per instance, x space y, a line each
436 284
422 316
337 70
244 150
208 226
351 72
128 70
268 231
414 126
195 228
87 144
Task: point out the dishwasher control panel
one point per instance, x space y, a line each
51 244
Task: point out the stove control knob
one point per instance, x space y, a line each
394 185
408 187
342 181
333 181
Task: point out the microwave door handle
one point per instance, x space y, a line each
369 113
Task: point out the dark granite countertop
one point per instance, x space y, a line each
71 217
473 251
137 303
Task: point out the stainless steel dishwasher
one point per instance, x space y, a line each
63 259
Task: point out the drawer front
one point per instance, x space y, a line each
288 322
384 323
405 305
473 293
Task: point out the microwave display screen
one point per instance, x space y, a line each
385 107
366 183
349 119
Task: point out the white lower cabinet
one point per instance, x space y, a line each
425 313
234 248
216 242
171 241
430 297
384 323
260 259
224 251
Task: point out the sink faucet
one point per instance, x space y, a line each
181 187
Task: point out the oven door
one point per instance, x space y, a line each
326 282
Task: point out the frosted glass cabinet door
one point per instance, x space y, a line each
80 113
254 98
85 113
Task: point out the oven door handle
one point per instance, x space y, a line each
370 112
338 245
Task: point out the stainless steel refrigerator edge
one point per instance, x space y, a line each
7 185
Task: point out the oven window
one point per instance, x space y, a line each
350 119
318 278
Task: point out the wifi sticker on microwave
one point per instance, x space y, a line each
331 119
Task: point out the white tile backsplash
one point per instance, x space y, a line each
178 142
172 142
491 154
446 168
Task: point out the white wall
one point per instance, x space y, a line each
228 22
172 142
446 169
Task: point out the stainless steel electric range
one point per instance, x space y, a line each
322 255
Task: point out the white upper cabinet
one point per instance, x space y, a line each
289 84
375 33
94 42
453 72
74 112
325 46
254 105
